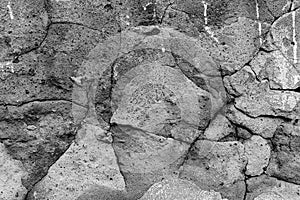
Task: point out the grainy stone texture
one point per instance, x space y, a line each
178 189
109 99
258 154
268 188
88 163
217 166
12 172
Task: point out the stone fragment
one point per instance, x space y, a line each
88 164
217 166
274 67
219 128
256 98
243 133
268 188
37 149
242 82
98 15
284 162
23 26
271 103
285 32
262 126
230 39
280 7
12 173
178 189
144 102
145 158
45 73
257 151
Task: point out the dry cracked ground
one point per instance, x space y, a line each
149 100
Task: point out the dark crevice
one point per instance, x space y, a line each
286 119
297 90
192 146
164 12
74 23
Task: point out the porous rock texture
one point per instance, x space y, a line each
149 100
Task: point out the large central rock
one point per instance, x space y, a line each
155 89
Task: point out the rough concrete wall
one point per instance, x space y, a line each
149 99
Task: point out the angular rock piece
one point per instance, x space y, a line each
219 128
274 67
144 101
191 93
262 126
279 7
37 134
11 174
145 158
89 163
268 188
257 99
271 103
217 166
98 15
258 154
285 158
171 189
23 26
285 32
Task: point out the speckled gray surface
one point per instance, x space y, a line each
149 99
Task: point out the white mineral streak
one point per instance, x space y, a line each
10 11
288 3
205 12
258 21
206 27
294 33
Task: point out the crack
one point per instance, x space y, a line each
41 101
153 134
165 12
191 147
285 119
74 23
287 180
296 90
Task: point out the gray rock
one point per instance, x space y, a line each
38 148
267 188
262 126
219 128
285 156
146 158
258 153
217 166
280 72
23 26
178 189
89 163
12 173
284 32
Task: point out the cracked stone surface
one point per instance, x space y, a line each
88 163
217 166
149 99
